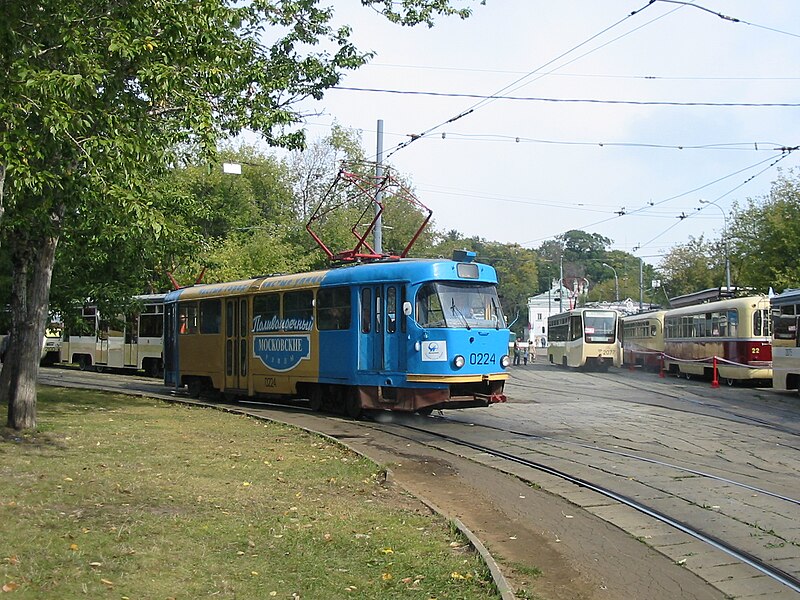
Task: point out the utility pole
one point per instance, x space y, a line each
724 239
616 281
379 190
641 283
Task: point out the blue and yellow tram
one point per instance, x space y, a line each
406 335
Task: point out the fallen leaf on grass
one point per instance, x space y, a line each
10 586
386 576
107 582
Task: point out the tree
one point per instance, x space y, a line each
97 99
686 268
765 237
245 224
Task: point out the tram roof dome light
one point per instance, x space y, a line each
464 255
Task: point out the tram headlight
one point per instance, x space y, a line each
459 361
505 362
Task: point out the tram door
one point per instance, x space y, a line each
236 356
380 332
102 343
130 354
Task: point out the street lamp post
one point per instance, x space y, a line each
616 280
725 241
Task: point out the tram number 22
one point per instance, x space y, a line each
482 358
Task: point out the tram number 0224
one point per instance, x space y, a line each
482 358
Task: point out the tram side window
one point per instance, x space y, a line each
210 316
187 318
151 325
785 327
298 310
557 330
366 310
733 323
87 324
333 308
266 312
391 309
576 328
429 307
761 323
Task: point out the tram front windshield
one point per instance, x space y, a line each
599 326
459 305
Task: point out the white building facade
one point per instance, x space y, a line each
555 300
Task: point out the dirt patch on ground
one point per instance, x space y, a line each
37 439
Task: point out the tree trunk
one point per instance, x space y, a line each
32 269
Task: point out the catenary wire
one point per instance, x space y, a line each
478 104
564 100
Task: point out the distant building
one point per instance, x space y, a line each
555 300
560 299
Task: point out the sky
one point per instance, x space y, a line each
620 162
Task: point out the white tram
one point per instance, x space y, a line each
133 341
785 341
585 338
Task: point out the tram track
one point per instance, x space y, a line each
743 555
775 573
701 403
635 457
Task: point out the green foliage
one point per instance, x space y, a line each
686 268
765 238
99 99
413 12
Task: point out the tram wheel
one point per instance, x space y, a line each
425 411
352 404
730 382
687 376
315 399
194 388
83 364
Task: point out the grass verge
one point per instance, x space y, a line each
125 497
